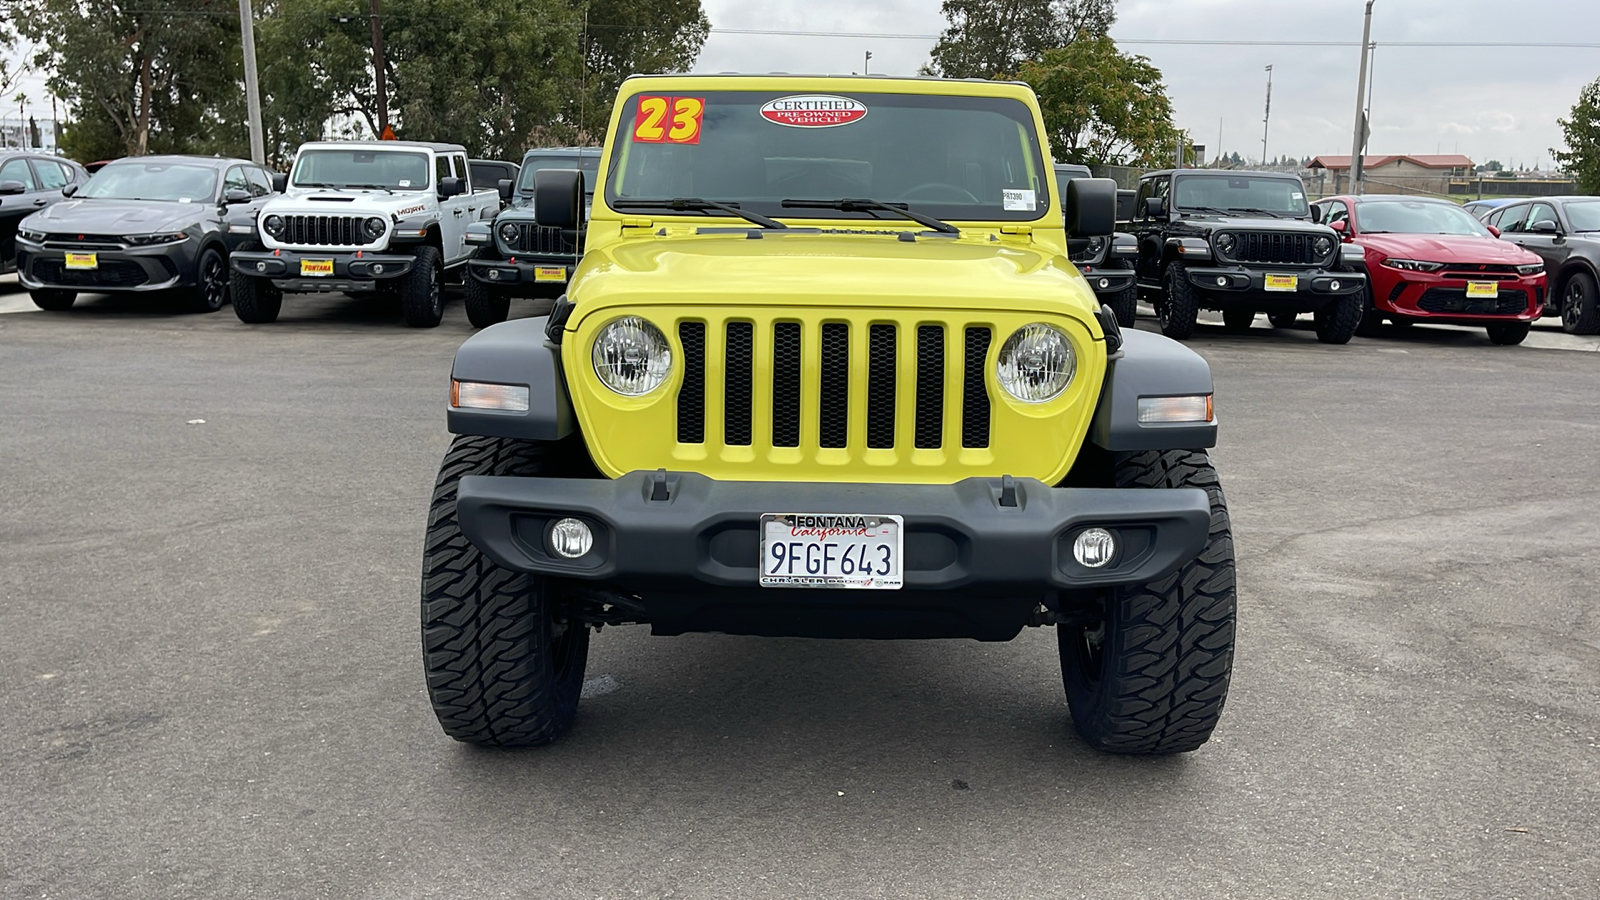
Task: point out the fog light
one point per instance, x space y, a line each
1093 548
1105 283
1222 281
261 267
377 268
1333 285
494 274
572 539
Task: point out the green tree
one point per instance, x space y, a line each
992 38
625 37
1102 106
153 73
1581 158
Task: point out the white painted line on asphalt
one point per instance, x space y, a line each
16 303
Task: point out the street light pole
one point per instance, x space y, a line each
252 88
1356 143
1266 122
377 68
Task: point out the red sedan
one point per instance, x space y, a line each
1430 261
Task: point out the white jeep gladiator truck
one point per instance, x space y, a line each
358 217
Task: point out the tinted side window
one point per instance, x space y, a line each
260 182
1146 191
1335 211
235 180
1510 219
463 172
441 169
1542 212
17 170
51 175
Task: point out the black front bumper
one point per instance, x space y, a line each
1222 286
352 271
980 535
155 268
524 272
1104 281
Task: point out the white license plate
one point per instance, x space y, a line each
832 550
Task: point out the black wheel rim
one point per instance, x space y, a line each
1572 308
436 293
213 285
1090 635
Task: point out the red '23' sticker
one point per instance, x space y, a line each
668 120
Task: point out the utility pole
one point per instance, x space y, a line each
252 88
378 69
1360 138
1266 121
866 64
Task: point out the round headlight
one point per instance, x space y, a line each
631 356
1322 246
509 232
1226 242
272 225
374 228
1036 363
1096 244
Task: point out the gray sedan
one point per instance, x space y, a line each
140 224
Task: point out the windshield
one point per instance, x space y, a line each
973 158
1244 193
1416 217
587 162
393 170
1584 215
177 182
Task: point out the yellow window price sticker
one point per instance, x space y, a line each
669 120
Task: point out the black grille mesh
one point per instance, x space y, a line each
930 387
692 398
1274 247
786 384
974 391
833 413
736 393
109 273
880 386
1455 300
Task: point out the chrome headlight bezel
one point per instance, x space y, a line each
631 356
1036 364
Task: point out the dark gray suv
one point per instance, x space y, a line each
141 224
1565 231
28 183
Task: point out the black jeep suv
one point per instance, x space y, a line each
1106 262
1242 243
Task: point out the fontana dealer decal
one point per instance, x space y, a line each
814 111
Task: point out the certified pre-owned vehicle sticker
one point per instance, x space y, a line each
1026 201
813 111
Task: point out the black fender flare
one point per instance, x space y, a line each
515 353
1150 365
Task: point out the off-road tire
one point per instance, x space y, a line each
486 304
255 300
1580 305
422 289
1371 324
1147 669
1178 308
503 669
1125 303
1508 333
1282 319
212 280
1238 321
1337 321
53 299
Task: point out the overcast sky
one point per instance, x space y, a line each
1483 102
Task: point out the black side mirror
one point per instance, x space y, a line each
558 198
67 190
280 182
506 186
8 188
1125 202
1316 214
1091 207
450 186
235 195
1155 207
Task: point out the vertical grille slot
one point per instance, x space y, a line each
880 387
786 384
930 387
833 413
974 392
692 398
739 379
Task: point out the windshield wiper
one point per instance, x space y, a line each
1204 209
317 184
1253 209
863 205
695 204
370 187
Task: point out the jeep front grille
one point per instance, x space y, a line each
533 238
835 350
324 231
1275 248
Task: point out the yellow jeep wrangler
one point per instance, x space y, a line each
826 371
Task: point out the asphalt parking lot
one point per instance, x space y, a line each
211 542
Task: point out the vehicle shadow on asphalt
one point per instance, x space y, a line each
297 309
